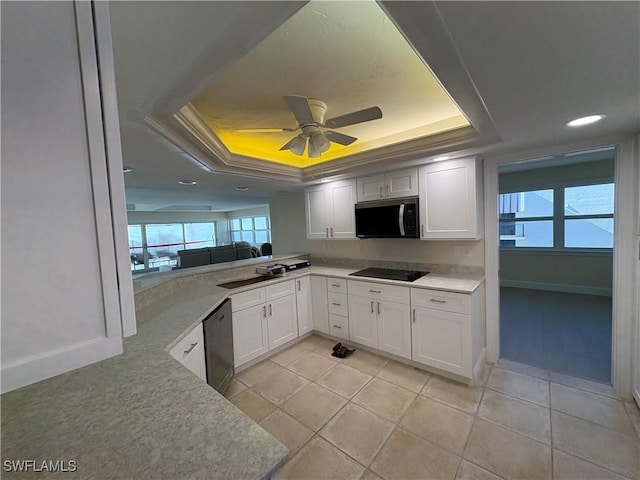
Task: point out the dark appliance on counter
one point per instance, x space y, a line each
390 274
218 347
397 218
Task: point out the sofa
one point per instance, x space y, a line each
209 255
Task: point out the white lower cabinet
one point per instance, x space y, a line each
303 301
394 328
439 340
319 306
363 324
447 329
190 352
263 318
250 338
377 322
282 321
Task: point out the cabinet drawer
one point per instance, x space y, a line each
338 304
447 301
338 326
250 298
190 346
281 289
379 291
338 285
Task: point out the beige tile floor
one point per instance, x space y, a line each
372 418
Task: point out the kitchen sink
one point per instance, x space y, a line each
244 283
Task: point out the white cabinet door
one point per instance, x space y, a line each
441 339
394 328
342 209
317 204
319 304
363 326
190 352
303 301
196 362
449 200
370 188
403 183
250 338
282 321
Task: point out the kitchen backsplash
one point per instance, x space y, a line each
360 263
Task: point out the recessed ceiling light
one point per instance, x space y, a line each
242 189
324 180
126 169
582 121
439 159
187 182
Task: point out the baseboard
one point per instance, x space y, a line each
557 287
49 364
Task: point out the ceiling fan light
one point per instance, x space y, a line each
320 142
298 144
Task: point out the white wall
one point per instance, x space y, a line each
58 280
249 212
288 232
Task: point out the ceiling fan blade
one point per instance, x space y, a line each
265 130
300 108
340 138
371 113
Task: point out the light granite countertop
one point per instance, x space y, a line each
142 414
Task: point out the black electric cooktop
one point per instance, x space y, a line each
389 274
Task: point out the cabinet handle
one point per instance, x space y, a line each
337 326
414 315
336 304
335 285
378 308
298 285
331 232
270 312
422 229
371 306
264 311
193 345
381 195
437 301
375 291
327 232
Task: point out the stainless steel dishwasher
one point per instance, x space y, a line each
218 347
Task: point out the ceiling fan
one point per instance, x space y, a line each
309 113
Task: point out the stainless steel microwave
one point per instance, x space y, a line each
397 218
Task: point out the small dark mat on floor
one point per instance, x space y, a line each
342 351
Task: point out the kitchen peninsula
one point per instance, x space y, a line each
142 414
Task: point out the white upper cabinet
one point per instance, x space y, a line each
330 210
402 183
451 200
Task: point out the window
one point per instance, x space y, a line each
156 244
560 217
526 219
588 216
254 230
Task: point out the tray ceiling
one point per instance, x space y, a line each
347 54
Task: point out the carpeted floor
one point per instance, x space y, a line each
562 332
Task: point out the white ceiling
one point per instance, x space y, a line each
534 65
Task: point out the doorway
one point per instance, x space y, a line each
556 238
